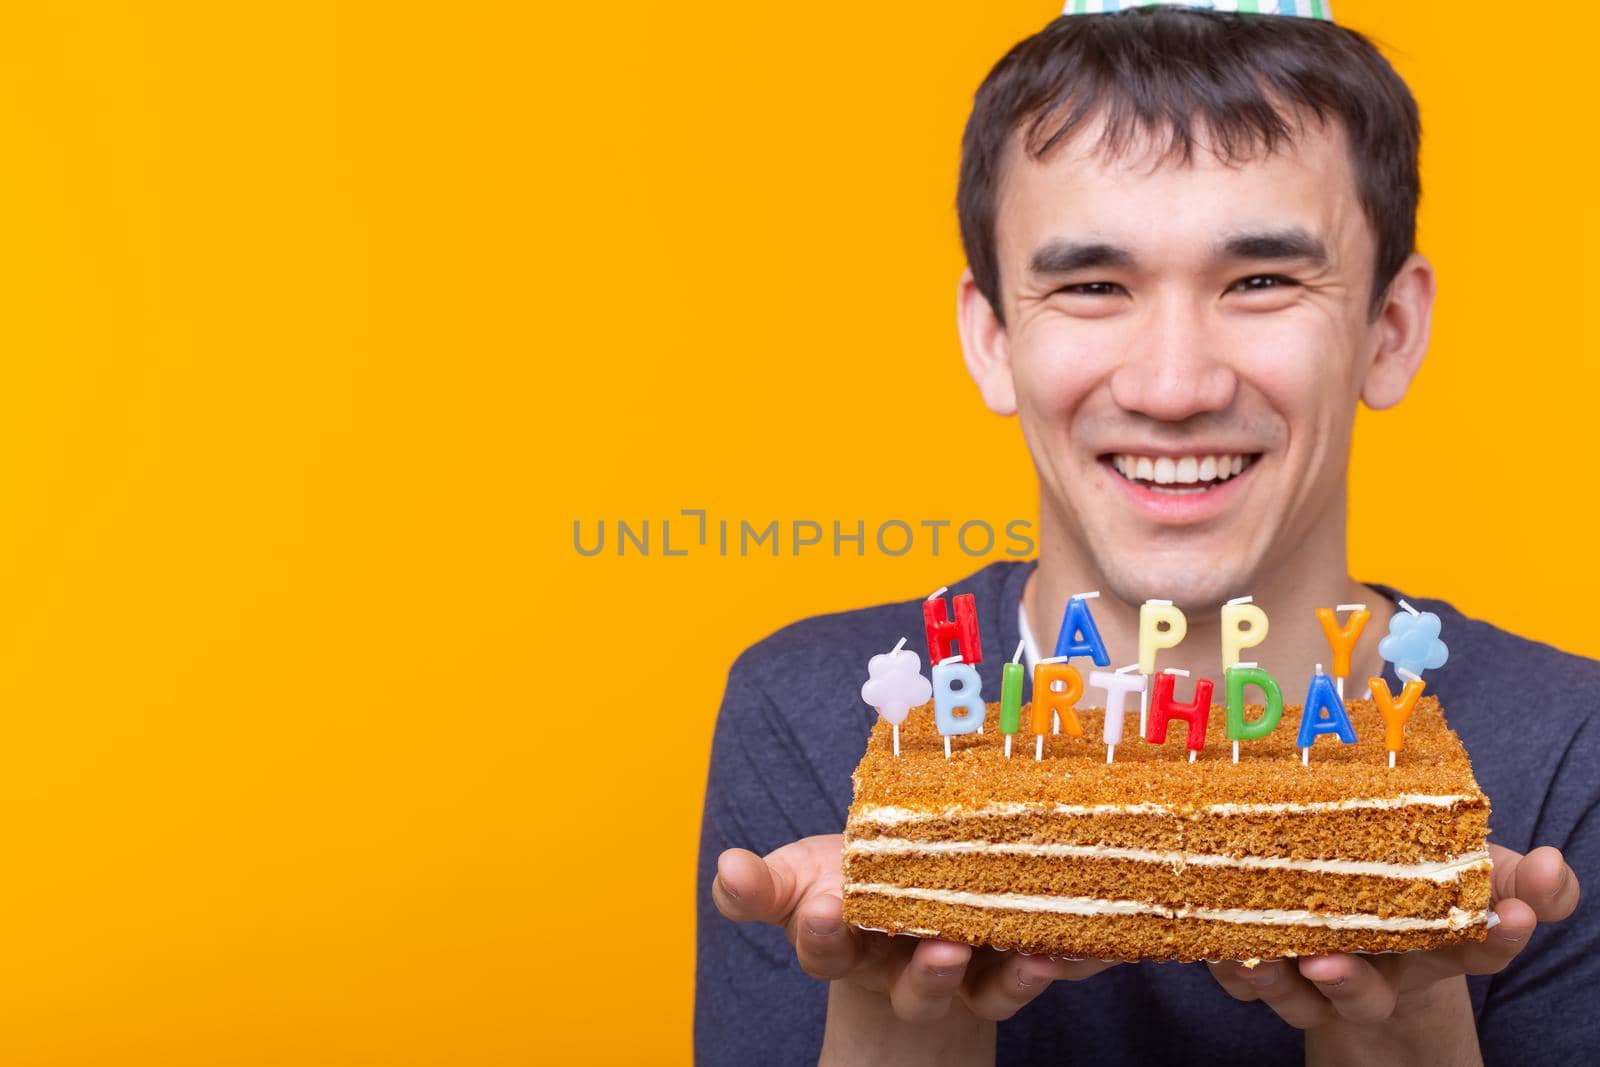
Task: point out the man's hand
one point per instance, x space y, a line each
799 888
1418 992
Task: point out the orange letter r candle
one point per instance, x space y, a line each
1049 701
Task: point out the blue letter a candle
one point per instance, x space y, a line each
1323 714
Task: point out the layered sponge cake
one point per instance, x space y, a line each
1154 857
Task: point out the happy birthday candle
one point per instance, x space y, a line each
1049 703
1342 639
895 685
1395 712
1118 685
941 630
1238 677
957 687
1164 708
1079 635
1161 625
1244 625
1323 713
1011 676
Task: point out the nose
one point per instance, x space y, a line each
1174 368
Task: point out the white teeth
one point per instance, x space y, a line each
1179 471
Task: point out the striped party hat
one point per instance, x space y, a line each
1307 9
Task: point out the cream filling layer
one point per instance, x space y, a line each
1439 871
1457 919
890 815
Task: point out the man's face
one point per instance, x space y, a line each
1187 343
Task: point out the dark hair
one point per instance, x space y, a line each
1246 80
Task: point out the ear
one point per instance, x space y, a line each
984 347
1403 326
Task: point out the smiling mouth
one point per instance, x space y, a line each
1181 475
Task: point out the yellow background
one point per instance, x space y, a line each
321 326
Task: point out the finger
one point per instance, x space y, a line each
1078 970
1279 985
1230 976
1498 948
824 945
1353 986
923 990
1003 990
749 889
1502 872
1545 883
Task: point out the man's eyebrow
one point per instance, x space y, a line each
1064 256
1293 243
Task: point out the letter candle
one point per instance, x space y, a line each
941 630
1342 639
1117 685
1153 614
1163 709
957 687
1413 646
1238 677
1079 635
1323 713
1050 702
1396 711
1011 696
1244 625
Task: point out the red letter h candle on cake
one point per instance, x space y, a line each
1163 708
956 684
963 630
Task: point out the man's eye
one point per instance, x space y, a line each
1092 288
1261 281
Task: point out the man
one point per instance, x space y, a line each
1190 238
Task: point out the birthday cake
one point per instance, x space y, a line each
1083 845
1154 857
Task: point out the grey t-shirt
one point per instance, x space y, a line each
792 727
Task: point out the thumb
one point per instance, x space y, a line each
748 888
